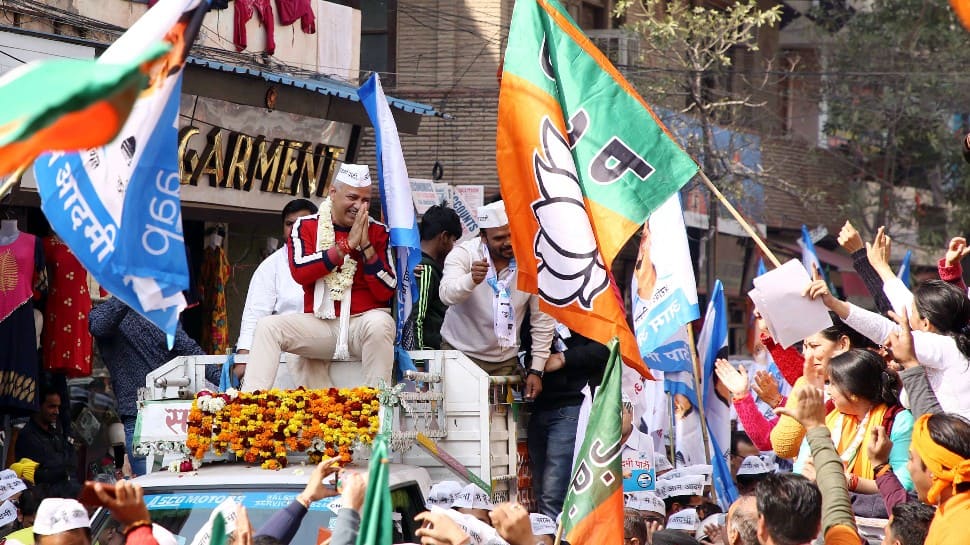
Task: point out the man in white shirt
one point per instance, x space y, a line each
272 289
486 310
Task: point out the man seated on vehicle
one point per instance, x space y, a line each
341 258
272 289
486 310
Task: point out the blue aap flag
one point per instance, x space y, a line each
127 234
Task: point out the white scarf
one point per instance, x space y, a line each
502 311
336 286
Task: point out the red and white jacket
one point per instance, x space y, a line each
374 281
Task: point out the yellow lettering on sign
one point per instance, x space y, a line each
189 158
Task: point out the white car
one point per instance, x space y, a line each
183 502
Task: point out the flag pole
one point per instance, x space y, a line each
7 186
740 219
559 533
672 446
705 432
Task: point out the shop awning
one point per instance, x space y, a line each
317 96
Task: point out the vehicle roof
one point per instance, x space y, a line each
236 474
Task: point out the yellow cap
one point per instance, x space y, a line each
25 469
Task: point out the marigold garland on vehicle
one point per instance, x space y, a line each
264 426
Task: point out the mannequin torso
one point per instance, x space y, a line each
8 232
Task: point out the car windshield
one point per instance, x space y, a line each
184 512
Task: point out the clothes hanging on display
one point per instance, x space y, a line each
291 10
67 341
215 322
23 281
242 12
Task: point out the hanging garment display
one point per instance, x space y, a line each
23 281
215 323
66 339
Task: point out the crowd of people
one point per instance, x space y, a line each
874 423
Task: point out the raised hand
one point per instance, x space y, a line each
479 271
956 251
766 387
900 341
511 520
438 529
127 506
315 488
850 239
736 380
809 410
878 252
879 446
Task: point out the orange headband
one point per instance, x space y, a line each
937 459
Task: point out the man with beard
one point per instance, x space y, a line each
486 310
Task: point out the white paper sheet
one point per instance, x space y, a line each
791 316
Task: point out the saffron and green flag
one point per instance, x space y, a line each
67 104
583 162
375 517
593 510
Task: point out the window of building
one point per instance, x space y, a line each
378 37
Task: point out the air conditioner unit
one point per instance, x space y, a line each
622 47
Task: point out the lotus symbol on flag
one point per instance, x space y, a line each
570 267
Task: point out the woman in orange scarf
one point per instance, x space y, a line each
866 395
940 466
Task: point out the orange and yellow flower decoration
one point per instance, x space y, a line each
264 426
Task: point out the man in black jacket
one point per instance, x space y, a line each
555 414
42 441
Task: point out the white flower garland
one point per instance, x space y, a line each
342 277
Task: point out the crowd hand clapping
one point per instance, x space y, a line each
437 529
850 239
511 521
900 342
736 380
956 251
766 387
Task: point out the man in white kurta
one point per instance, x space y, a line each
486 310
272 289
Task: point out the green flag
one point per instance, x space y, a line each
375 517
593 510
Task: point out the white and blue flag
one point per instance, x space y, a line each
396 204
663 291
904 268
809 258
118 207
712 343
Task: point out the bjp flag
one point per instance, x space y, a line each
582 162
